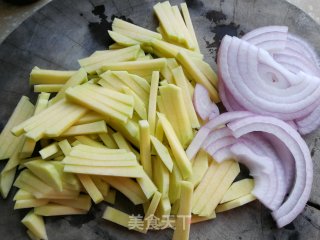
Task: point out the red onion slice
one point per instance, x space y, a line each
215 135
298 62
262 169
293 102
265 177
204 131
300 193
228 100
260 144
270 38
297 44
220 143
263 30
203 104
287 159
310 122
276 40
292 124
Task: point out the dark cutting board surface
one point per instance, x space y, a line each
64 31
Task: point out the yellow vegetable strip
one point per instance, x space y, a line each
169 111
89 142
9 142
79 77
28 177
123 144
101 185
65 146
48 88
145 147
164 207
179 37
32 236
117 101
238 189
37 119
159 131
29 144
122 219
114 95
90 117
200 165
181 158
14 160
183 220
94 103
133 172
108 140
151 210
47 172
29 203
91 188
197 75
107 56
57 210
49 150
122 39
182 27
115 46
216 196
169 50
198 219
147 185
206 69
235 203
127 79
42 102
57 124
83 150
152 108
212 186
98 163
174 185
172 95
35 224
82 202
117 155
164 21
85 129
203 185
161 176
126 25
187 19
162 152
111 197
147 65
45 76
22 195
6 180
128 56
45 117
128 187
143 40
139 105
181 82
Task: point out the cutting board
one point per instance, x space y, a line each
64 31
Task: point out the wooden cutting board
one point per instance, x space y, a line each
64 31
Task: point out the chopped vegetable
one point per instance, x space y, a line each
122 122
183 221
35 224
